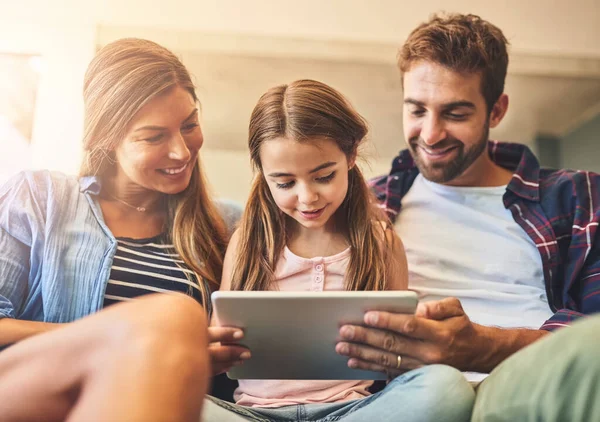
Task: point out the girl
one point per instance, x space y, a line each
310 224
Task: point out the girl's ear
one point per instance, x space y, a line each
351 161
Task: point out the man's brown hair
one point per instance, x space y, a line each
462 43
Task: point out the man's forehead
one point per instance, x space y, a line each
429 82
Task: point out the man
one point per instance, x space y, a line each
502 252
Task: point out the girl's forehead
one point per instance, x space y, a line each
282 152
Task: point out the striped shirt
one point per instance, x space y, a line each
558 209
143 266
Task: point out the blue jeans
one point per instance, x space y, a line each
433 393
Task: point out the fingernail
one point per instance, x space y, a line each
238 335
343 349
245 355
347 332
371 318
352 364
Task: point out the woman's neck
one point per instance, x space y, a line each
133 198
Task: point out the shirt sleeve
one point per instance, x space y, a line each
17 209
584 293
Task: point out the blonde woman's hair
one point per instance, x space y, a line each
123 77
306 110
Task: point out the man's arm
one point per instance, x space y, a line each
439 332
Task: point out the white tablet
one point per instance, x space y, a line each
292 335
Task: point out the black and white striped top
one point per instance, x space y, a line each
143 266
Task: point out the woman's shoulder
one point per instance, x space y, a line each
38 184
231 212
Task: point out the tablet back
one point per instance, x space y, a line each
292 335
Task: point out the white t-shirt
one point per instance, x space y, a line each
462 242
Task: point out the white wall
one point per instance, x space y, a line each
580 149
536 26
63 33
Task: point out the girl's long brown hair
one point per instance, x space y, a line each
306 110
119 81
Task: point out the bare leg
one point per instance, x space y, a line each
146 360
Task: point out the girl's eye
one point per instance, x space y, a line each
326 179
286 185
189 127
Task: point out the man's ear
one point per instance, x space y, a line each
498 111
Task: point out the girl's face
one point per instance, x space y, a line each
308 180
161 146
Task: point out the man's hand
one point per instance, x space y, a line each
223 350
439 332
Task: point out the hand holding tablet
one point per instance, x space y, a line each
292 335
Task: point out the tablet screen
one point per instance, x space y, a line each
292 335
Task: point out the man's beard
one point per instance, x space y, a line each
448 171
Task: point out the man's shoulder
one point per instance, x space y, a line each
397 182
571 187
567 178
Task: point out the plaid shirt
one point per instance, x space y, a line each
558 209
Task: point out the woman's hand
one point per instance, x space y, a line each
224 350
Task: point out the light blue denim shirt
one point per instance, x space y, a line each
56 252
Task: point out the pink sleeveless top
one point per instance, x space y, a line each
294 273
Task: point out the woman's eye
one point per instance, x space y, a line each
286 185
327 178
154 138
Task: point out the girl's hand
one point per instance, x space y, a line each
224 350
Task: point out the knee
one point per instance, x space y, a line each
446 394
164 327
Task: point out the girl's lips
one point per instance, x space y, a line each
312 215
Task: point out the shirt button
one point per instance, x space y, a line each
318 279
319 268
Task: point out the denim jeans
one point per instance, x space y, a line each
433 393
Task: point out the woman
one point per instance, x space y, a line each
139 218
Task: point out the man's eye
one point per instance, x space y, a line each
457 116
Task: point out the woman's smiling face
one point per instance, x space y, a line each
160 148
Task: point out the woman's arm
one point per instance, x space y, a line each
21 215
14 330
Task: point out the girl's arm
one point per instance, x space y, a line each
396 265
223 350
229 261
